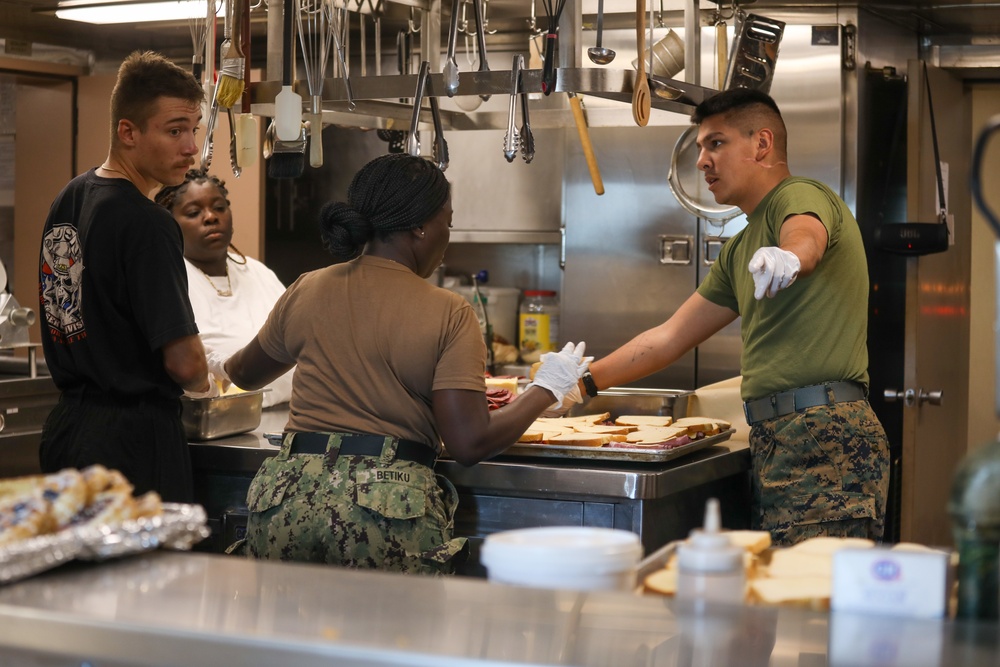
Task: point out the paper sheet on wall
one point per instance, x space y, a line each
721 400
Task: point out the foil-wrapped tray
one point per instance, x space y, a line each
179 527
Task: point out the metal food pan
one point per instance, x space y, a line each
218 417
606 453
635 401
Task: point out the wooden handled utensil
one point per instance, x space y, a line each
640 88
588 147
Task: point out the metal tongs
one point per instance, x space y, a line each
208 147
440 145
413 140
527 138
450 71
515 138
481 41
511 140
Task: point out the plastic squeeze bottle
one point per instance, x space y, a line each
709 566
975 513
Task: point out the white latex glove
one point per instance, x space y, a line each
213 390
217 367
560 371
773 269
572 397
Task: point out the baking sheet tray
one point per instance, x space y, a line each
637 455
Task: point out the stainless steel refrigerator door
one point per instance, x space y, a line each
615 284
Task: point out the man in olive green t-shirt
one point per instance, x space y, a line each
798 277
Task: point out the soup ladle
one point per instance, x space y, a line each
600 55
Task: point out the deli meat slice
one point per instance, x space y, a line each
497 398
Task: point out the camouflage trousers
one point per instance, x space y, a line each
822 471
356 511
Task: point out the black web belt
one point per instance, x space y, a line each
794 400
359 444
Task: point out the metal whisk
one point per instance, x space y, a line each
315 38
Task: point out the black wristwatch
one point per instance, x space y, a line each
589 384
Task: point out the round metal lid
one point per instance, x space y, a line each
688 186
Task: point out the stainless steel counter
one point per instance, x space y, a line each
659 502
168 608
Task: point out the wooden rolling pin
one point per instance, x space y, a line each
588 148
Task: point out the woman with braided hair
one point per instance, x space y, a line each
231 294
389 369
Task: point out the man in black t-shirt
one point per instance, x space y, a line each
119 334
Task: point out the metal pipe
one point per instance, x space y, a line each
692 43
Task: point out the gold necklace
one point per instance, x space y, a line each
229 284
113 170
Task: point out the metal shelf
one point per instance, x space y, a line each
378 104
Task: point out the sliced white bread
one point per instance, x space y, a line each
577 439
809 592
549 426
754 541
506 382
542 435
595 418
643 421
812 557
604 429
830 545
652 435
706 425
662 581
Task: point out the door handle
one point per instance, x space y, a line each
712 248
675 249
912 397
932 397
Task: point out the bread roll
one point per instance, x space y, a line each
20 487
67 493
147 505
99 479
107 508
23 517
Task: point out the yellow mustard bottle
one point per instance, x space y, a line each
538 324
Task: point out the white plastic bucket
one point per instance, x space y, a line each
501 308
566 557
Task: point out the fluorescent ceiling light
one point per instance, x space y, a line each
128 11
